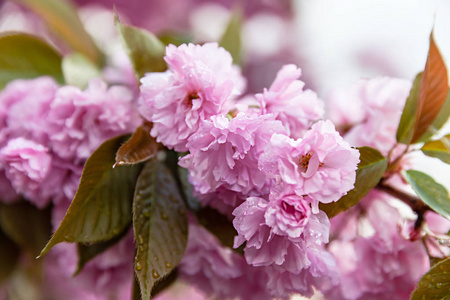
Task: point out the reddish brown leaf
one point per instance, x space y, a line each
433 91
140 147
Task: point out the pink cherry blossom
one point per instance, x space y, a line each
285 238
224 153
79 121
321 165
375 260
374 108
24 106
287 100
198 84
219 271
28 166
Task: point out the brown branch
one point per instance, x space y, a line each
415 203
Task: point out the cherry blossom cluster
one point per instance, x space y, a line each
266 161
47 133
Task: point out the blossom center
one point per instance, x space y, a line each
189 97
293 212
304 160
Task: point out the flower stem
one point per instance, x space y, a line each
415 203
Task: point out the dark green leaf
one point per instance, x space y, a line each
165 283
405 129
440 121
174 38
102 205
62 18
136 290
191 200
370 170
9 255
26 225
146 51
18 61
439 149
160 226
435 284
231 39
88 252
429 191
78 70
217 224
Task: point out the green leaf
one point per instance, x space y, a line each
429 191
78 70
18 61
136 290
175 39
439 149
146 51
405 129
435 284
217 224
26 225
88 252
370 170
102 205
160 226
9 256
62 18
165 283
231 39
188 191
440 121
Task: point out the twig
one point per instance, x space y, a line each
414 202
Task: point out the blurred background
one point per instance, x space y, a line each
335 43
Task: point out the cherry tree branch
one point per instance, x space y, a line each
417 205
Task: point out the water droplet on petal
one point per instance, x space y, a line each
439 285
155 274
138 266
168 265
155 258
146 213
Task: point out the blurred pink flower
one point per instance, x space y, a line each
373 108
199 82
7 191
79 121
295 108
321 165
28 166
181 290
224 153
218 270
375 261
24 107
